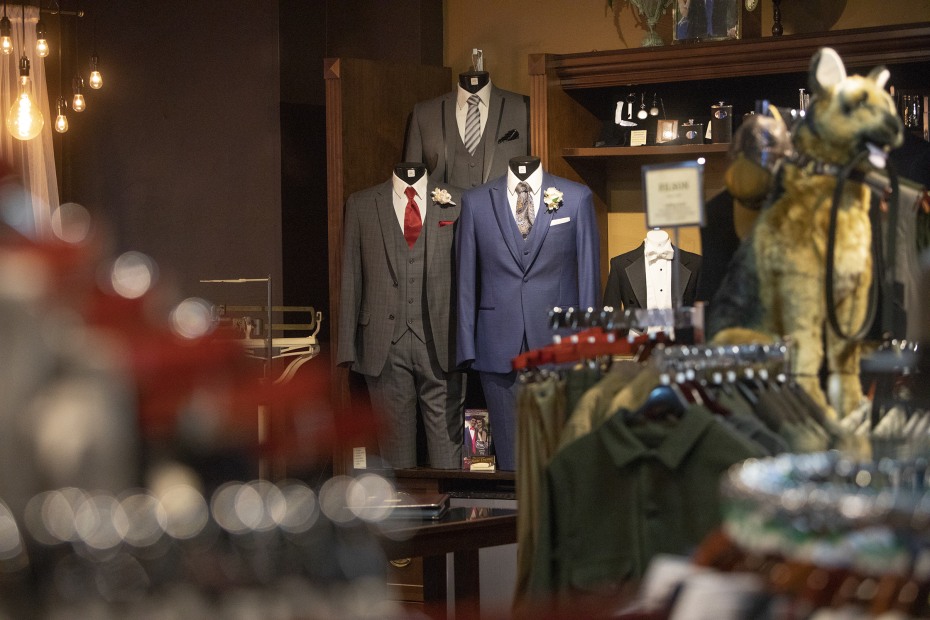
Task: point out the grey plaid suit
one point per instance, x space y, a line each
406 372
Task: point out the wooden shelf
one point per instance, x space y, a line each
862 47
692 150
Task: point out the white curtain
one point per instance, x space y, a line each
32 160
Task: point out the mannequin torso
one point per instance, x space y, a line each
410 172
524 166
473 81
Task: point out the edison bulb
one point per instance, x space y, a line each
61 122
6 41
78 104
96 80
24 120
41 40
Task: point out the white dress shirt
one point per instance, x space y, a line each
400 197
461 107
658 254
535 183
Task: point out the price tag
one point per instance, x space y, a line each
359 460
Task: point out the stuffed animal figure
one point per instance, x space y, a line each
775 286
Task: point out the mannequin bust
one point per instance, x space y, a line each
473 81
410 172
523 166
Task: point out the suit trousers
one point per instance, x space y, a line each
412 376
500 394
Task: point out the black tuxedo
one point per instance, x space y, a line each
626 283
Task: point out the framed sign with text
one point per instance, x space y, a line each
674 194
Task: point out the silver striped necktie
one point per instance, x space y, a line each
472 125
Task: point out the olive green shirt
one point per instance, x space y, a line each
616 497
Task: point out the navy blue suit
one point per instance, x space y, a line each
508 285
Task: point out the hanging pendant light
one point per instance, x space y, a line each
77 102
96 80
61 121
24 121
6 29
77 83
41 36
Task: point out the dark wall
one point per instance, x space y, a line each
206 148
180 151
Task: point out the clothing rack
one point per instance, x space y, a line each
717 363
625 319
591 345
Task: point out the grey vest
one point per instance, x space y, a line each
411 271
468 170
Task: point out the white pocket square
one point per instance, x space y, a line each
560 220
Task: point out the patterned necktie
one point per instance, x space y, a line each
524 208
472 125
412 221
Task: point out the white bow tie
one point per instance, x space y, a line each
657 254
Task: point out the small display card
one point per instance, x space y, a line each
674 194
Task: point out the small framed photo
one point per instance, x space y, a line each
478 448
666 131
707 20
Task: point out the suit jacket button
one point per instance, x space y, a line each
390 317
525 252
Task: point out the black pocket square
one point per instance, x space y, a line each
513 134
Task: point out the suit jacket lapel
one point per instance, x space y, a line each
450 133
501 208
684 275
431 216
636 273
387 220
491 130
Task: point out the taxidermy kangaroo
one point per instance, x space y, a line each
776 280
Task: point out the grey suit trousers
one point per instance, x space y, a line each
412 373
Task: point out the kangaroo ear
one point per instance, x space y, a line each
880 76
827 70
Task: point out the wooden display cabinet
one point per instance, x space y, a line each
572 95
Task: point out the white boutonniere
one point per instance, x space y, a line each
553 199
442 197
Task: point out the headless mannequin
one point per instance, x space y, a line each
656 298
473 81
409 172
522 167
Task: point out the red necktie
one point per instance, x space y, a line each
412 221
